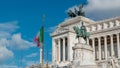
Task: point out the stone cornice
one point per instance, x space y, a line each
105 21
57 34
61 29
105 32
110 19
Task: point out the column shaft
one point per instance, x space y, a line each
63 49
93 45
68 42
88 41
105 44
57 52
53 50
112 49
118 45
59 47
99 44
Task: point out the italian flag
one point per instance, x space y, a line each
40 37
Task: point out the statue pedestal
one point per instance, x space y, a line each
83 56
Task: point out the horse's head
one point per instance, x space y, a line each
74 27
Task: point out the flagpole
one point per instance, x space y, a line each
40 55
43 16
47 59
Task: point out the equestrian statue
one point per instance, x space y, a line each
81 32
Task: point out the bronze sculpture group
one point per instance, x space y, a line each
76 12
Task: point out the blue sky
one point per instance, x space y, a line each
20 20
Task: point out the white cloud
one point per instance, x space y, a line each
103 5
16 42
5 54
32 55
101 9
10 40
19 43
9 66
29 63
51 29
9 26
4 34
4 42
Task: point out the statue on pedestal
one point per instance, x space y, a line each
83 53
81 32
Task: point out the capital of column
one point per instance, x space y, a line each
111 35
117 34
92 38
105 36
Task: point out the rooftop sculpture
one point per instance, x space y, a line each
76 12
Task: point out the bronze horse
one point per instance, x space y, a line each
81 32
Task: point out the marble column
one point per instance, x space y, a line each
112 49
99 46
88 41
53 51
93 45
68 42
63 49
59 50
118 45
105 44
69 48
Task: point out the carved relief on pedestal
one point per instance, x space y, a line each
77 54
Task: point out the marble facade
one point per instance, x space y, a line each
104 39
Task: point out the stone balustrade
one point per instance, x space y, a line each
103 25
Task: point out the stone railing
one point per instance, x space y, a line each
102 64
106 64
103 25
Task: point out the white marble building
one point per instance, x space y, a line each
104 39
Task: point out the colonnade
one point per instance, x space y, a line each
61 49
106 46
